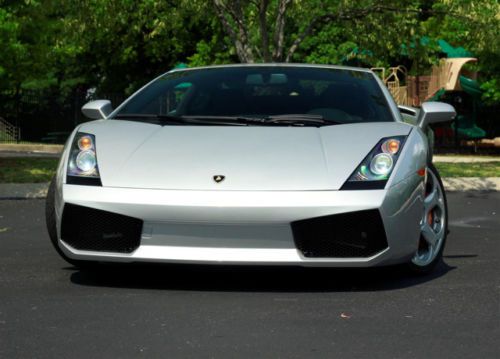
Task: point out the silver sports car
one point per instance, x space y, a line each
252 164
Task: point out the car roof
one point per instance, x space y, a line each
275 64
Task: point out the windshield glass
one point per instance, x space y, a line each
336 95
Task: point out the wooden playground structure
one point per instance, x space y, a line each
449 77
407 90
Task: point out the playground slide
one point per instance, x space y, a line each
437 95
467 127
470 86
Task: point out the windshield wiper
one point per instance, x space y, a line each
299 119
177 120
288 120
203 120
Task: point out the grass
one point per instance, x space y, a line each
34 170
4 137
478 169
6 141
27 170
477 155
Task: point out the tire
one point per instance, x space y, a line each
50 219
416 265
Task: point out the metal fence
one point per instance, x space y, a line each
49 117
43 116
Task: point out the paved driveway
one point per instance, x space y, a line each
49 309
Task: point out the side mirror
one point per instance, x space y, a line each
434 112
98 109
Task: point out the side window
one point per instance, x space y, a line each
174 97
167 102
198 103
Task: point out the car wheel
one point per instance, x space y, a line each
50 219
433 225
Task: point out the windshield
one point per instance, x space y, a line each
334 95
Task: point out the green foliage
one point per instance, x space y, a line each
491 90
212 52
374 38
475 26
25 35
116 46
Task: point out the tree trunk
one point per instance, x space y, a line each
279 31
264 33
239 34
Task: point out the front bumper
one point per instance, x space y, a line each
244 227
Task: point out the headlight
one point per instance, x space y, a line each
86 161
377 167
381 164
82 165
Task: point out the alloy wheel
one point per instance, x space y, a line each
432 224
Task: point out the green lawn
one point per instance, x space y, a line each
27 170
31 170
481 169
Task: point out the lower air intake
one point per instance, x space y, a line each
346 235
91 229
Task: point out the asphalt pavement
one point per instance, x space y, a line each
49 309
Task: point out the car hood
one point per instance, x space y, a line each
141 155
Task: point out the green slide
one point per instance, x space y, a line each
467 127
470 86
437 95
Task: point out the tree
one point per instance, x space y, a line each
258 28
119 44
329 31
25 43
237 18
474 25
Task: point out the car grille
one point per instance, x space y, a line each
91 229
346 235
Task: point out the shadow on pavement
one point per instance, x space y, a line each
461 256
251 279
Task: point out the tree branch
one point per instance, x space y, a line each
279 31
240 39
219 9
343 15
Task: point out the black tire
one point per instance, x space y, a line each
423 270
50 219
